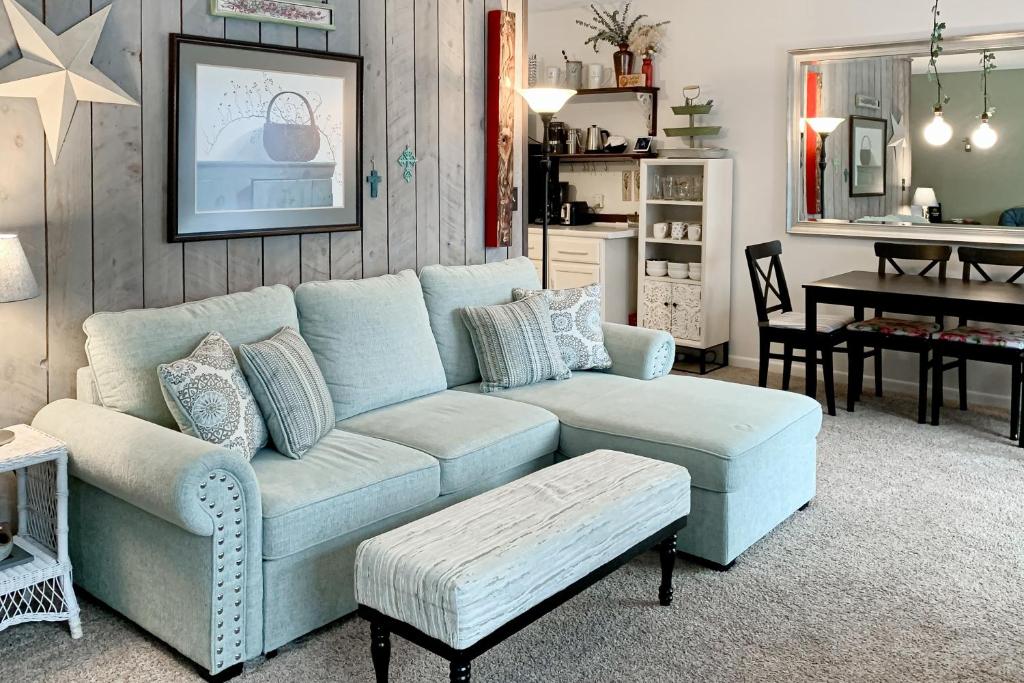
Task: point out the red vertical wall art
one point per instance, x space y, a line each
811 95
501 114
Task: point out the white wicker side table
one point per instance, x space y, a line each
39 590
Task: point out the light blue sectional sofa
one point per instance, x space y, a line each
225 560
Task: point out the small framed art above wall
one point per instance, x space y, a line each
305 13
264 140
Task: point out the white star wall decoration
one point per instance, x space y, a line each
57 71
899 132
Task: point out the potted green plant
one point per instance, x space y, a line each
614 27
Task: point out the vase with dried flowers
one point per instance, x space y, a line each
646 42
614 27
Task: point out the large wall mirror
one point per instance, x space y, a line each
868 159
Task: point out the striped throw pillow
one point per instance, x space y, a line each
515 344
290 390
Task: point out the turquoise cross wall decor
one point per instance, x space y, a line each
374 179
407 161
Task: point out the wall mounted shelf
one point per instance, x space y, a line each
600 156
646 96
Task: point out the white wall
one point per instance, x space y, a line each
737 51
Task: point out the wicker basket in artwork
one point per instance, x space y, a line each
294 142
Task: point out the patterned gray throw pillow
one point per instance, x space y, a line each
576 320
291 391
515 344
210 400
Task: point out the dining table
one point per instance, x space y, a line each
919 295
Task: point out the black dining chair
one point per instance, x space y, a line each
999 344
897 334
778 323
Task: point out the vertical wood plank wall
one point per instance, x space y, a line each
888 80
94 224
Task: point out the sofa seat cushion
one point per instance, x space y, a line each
723 433
345 482
473 437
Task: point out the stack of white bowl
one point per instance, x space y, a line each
657 268
679 271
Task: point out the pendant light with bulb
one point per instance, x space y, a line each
938 132
984 136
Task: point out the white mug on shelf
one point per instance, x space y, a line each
693 231
678 230
661 230
696 271
553 76
594 75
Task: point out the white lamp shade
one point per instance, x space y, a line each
925 196
546 100
823 125
16 280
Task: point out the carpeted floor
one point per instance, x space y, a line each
908 566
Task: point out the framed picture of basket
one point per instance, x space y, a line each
263 140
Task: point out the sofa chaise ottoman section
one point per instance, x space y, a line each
473 437
344 483
750 451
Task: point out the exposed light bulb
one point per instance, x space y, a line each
938 132
984 136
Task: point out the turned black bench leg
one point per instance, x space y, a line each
380 651
667 550
458 672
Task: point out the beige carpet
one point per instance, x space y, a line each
908 566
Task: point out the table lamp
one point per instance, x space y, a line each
546 102
924 197
16 284
823 126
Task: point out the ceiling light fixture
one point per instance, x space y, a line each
938 132
984 136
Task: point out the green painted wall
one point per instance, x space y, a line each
983 183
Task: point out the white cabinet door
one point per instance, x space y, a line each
657 300
569 275
687 313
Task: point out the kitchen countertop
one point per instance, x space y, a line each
604 231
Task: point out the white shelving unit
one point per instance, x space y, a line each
694 312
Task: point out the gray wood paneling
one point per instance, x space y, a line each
346 248
69 231
117 165
94 225
23 212
428 209
452 134
163 284
400 22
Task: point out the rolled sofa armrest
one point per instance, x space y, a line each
164 472
638 352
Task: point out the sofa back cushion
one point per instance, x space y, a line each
447 289
371 339
125 348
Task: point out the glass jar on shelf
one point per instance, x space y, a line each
697 188
669 187
683 189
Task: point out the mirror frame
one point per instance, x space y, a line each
988 234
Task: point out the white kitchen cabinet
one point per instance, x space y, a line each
604 254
